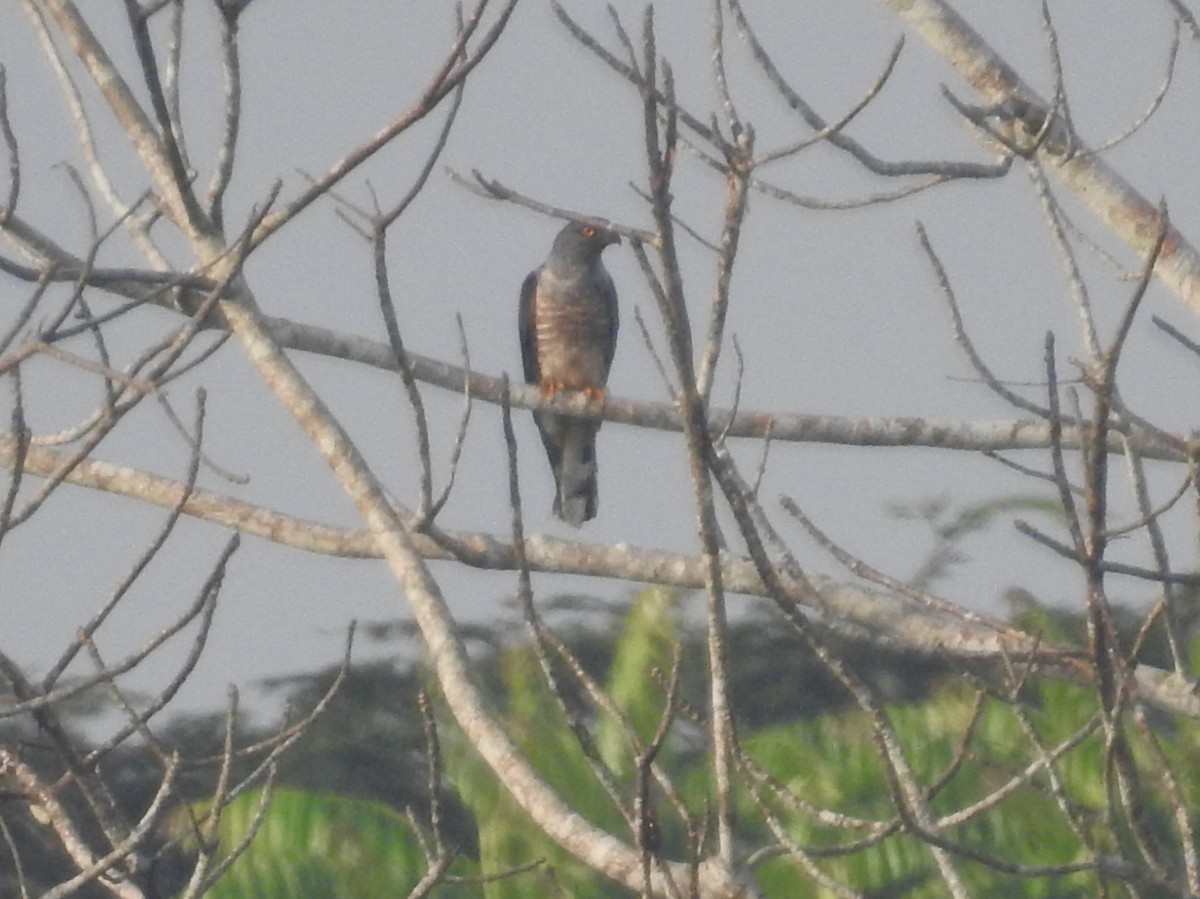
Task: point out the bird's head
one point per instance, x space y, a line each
582 242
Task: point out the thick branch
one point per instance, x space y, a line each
1130 215
597 848
137 125
855 613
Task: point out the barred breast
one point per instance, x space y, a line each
572 333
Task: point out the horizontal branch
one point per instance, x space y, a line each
788 427
853 612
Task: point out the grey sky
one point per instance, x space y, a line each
836 312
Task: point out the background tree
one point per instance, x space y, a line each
614 766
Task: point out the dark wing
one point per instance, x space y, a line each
525 326
610 311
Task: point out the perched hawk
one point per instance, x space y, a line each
568 323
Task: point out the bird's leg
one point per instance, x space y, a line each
594 394
549 387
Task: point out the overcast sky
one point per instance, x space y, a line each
836 312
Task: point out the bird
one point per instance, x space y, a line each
568 329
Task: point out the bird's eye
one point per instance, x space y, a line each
587 231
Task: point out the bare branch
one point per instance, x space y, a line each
65 829
1113 200
14 153
226 154
458 64
835 137
1154 104
168 130
494 190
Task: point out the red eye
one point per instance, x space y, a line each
587 231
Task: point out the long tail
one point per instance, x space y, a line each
571 447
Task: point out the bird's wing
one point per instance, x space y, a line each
610 311
529 354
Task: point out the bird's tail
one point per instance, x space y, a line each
575 496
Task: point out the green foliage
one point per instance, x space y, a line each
644 646
829 760
534 718
315 844
794 722
832 762
507 839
